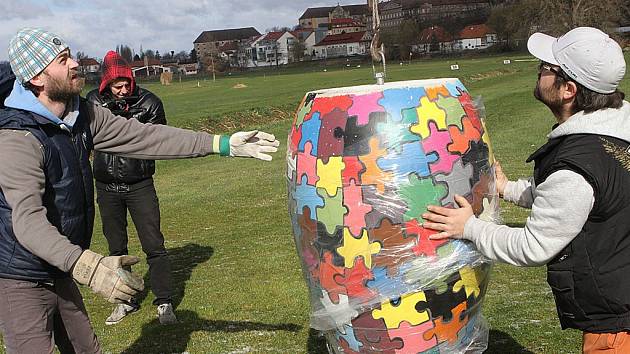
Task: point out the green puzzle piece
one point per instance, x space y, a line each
303 112
331 214
419 193
453 109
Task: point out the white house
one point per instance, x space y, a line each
475 37
343 45
273 48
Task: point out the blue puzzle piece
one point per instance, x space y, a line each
306 195
386 286
349 337
412 159
310 132
455 88
395 100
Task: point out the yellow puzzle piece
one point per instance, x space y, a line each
404 311
354 247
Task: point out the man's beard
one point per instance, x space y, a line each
548 96
63 90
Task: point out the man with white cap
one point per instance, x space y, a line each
46 195
579 225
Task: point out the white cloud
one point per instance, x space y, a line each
97 26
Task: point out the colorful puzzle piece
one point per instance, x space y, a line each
463 139
412 337
424 245
348 336
412 160
438 142
353 248
454 111
306 195
330 174
395 100
373 174
364 105
394 134
374 336
353 200
402 309
326 273
307 165
396 248
310 132
357 137
353 168
458 181
307 105
331 213
470 280
354 280
387 205
434 92
447 330
427 112
419 193
331 135
325 105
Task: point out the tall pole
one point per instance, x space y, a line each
214 78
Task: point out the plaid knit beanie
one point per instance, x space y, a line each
114 67
31 50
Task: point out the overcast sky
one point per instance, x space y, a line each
96 26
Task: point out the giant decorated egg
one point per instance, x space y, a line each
363 164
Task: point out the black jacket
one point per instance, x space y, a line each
68 195
589 278
143 106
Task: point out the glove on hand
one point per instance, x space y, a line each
253 144
106 276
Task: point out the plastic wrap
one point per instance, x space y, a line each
363 164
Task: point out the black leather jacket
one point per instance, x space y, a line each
143 106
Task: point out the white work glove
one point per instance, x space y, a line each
253 144
106 276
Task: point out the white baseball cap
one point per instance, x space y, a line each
587 55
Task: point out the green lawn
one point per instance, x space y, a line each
239 283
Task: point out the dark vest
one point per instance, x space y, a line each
68 196
590 277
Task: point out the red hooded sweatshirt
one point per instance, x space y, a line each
115 66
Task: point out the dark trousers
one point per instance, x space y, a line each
142 203
34 317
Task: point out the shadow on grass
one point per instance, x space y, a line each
183 260
516 224
502 343
316 343
156 338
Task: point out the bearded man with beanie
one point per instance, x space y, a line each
47 132
124 183
579 196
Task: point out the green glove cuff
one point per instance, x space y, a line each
224 145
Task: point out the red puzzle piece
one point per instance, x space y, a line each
354 280
326 273
462 139
352 170
424 245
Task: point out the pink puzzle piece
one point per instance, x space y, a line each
353 200
412 336
307 165
438 141
363 105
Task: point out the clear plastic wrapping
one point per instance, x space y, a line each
363 164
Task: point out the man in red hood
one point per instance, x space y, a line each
124 183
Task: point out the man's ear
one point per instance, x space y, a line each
38 81
570 90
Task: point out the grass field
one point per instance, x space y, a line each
239 286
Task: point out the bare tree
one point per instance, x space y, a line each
568 14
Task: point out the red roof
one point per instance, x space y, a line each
273 36
140 63
475 31
87 62
435 33
342 38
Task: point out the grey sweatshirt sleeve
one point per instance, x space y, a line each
520 192
23 186
560 208
130 138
